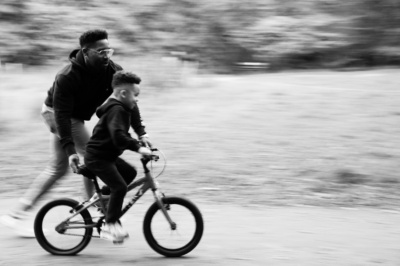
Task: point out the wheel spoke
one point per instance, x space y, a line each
175 240
66 238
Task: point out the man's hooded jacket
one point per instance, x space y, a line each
77 92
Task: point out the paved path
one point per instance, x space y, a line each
242 236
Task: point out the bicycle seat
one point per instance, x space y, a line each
83 170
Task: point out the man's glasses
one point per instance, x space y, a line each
105 52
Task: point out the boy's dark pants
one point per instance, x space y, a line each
115 174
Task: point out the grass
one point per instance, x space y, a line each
316 138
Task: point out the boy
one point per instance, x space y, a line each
110 138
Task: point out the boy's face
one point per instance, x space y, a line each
130 95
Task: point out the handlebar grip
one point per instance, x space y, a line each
151 157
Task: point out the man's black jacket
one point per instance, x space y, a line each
77 92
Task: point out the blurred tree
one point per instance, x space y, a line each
376 33
12 15
12 11
284 33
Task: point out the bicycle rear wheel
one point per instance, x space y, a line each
173 242
58 237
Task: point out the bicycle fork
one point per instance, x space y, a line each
158 196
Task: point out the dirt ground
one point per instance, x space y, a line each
234 235
271 159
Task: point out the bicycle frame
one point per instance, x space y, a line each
144 183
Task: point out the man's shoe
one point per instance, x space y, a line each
10 220
19 223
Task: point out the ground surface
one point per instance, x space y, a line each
270 159
237 235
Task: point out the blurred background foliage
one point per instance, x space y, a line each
283 34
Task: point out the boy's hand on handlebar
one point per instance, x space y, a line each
73 161
144 151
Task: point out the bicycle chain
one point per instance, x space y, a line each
81 235
100 221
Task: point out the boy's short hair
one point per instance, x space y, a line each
122 77
91 36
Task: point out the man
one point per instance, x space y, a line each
78 89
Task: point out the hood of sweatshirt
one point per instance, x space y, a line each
111 102
76 58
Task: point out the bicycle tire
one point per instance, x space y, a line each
173 202
44 239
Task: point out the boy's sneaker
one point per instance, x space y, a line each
114 232
19 223
121 231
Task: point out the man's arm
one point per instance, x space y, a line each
63 103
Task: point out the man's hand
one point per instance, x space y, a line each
144 140
73 161
144 151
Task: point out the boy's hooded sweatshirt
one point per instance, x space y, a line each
111 134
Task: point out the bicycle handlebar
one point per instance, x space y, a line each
151 156
83 170
148 158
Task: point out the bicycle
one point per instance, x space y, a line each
65 226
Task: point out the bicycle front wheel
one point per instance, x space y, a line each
59 234
178 238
